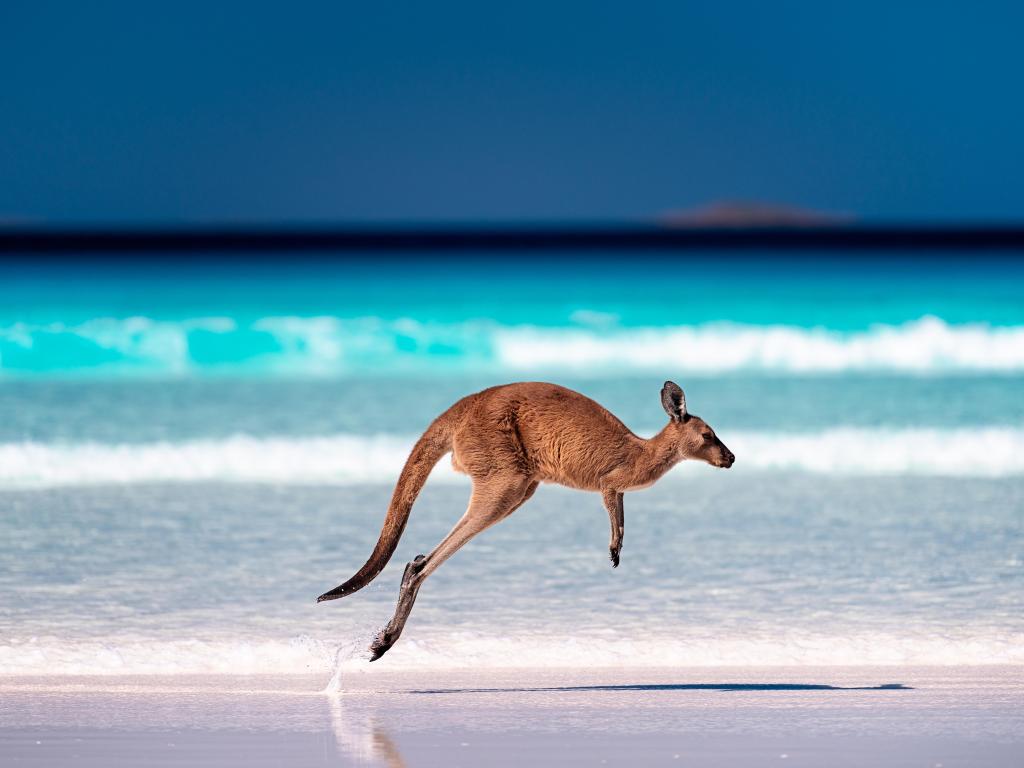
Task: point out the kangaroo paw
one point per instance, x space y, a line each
613 553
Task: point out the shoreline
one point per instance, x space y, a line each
367 679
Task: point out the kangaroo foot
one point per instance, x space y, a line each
382 642
389 635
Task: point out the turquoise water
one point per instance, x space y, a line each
192 450
428 316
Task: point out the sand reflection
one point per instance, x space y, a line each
360 736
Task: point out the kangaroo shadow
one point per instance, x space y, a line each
722 687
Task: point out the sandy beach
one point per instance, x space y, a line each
887 716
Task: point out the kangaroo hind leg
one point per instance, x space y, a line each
617 518
491 501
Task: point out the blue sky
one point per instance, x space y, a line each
473 111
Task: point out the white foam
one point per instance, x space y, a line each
682 646
121 656
921 346
446 649
370 459
965 452
340 459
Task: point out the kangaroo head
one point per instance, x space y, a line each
694 438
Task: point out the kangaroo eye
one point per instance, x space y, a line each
707 437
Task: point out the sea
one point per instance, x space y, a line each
194 447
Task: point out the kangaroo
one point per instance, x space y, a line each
511 438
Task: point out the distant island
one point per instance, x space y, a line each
752 214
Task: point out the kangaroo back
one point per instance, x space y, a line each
432 445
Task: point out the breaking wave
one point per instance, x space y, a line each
923 346
349 459
333 346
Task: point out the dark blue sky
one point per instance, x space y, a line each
384 111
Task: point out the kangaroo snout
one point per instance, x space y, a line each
728 458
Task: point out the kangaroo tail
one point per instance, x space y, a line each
432 445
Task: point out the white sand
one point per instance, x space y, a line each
969 716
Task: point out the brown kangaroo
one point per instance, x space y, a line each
511 438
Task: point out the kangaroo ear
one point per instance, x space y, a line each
673 401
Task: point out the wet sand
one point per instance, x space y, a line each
888 716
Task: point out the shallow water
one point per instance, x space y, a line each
718 568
